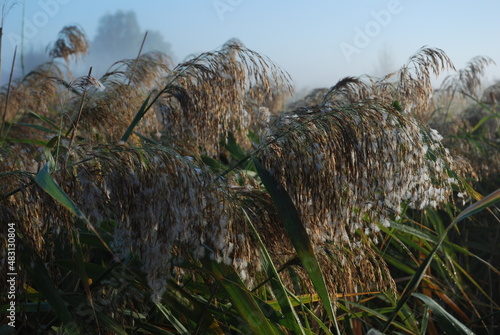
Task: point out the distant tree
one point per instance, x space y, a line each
119 36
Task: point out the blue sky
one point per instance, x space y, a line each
317 42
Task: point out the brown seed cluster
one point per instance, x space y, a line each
349 163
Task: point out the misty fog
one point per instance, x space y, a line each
118 37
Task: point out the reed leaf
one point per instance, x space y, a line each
447 322
279 289
173 320
418 276
247 306
298 235
46 286
47 183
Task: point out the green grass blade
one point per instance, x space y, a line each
82 272
300 302
109 324
377 313
417 277
44 119
37 127
236 151
178 299
487 201
47 183
44 284
446 321
173 320
244 302
154 330
278 286
298 235
24 141
140 114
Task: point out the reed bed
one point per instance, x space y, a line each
177 199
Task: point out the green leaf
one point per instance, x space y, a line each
180 301
214 164
446 321
487 201
45 119
47 151
140 114
44 284
244 302
110 324
378 313
397 105
47 183
234 148
298 235
25 141
419 274
279 289
154 330
173 320
38 127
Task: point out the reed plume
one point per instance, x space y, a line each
351 165
71 42
208 96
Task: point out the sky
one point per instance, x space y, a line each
317 42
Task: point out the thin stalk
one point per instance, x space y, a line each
137 58
22 37
77 121
8 90
5 10
205 311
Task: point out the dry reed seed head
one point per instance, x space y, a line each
167 207
119 184
315 97
208 95
410 87
168 210
353 168
148 71
107 114
36 92
85 83
467 81
413 89
463 114
491 95
71 42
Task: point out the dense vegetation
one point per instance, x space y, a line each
194 199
